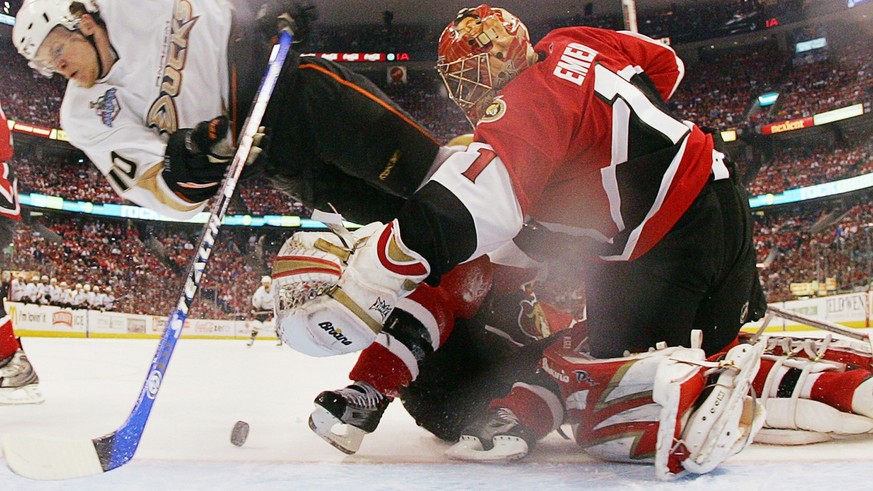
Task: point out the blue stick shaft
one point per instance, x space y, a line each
118 448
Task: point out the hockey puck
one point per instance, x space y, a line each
240 433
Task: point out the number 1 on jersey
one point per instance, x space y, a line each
486 156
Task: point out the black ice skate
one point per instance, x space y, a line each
358 408
495 437
19 383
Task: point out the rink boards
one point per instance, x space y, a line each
851 310
50 321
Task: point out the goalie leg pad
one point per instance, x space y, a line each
656 407
726 419
811 393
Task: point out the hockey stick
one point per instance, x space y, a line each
817 323
39 458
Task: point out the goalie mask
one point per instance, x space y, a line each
479 52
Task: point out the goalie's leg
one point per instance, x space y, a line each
672 407
419 325
810 391
19 383
358 407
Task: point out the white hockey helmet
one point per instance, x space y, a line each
266 280
36 19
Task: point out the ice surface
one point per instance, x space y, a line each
91 385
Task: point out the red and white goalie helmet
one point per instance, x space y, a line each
479 52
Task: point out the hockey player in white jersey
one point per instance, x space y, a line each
262 309
54 292
31 290
132 83
79 298
108 299
42 290
150 104
16 287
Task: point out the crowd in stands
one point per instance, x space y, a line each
843 78
804 165
719 98
143 264
26 95
792 249
683 22
70 179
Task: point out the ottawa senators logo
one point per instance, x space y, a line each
494 111
531 318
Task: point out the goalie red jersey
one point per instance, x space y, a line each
604 156
9 207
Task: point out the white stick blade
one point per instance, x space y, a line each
45 459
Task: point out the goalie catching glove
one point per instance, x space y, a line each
196 159
335 290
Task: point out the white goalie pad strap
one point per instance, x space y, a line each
817 348
723 424
810 417
775 436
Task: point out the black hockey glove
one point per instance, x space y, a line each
196 159
276 15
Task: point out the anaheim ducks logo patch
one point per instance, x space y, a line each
494 111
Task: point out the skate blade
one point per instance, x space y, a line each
29 394
322 423
506 449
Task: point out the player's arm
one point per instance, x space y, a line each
5 139
335 291
129 155
10 210
467 209
659 62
